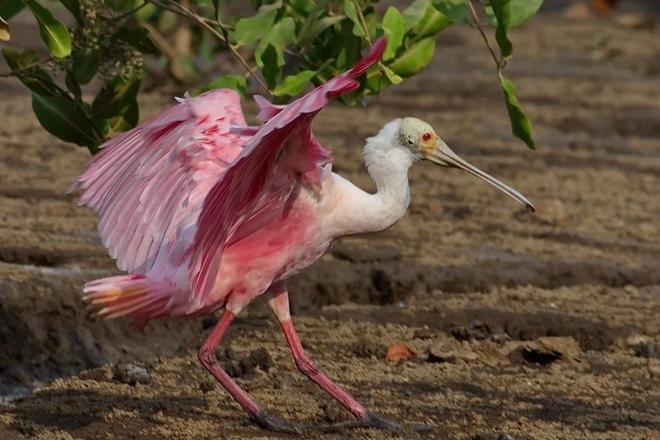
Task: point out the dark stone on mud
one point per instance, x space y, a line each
545 351
541 357
648 349
131 374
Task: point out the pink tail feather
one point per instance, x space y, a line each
135 296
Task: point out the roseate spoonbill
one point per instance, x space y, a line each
206 213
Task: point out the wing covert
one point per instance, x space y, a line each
151 180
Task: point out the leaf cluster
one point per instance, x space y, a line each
285 46
95 47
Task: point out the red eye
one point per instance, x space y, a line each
426 137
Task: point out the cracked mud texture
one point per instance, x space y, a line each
531 327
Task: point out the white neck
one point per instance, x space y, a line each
387 163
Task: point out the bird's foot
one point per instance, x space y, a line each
274 423
372 420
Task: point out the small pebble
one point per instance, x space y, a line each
131 374
647 349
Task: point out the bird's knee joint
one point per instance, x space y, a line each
306 366
206 355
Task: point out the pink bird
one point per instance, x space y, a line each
205 213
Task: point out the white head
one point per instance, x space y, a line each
404 141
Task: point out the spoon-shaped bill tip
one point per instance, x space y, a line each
443 155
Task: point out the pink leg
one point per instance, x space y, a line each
207 357
279 302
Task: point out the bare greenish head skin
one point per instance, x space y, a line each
418 135
424 143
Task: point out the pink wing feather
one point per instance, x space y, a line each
280 157
151 180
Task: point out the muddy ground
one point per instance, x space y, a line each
524 327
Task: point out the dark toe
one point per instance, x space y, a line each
379 422
273 423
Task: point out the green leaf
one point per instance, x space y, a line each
53 32
375 80
456 10
9 8
350 45
352 13
293 85
115 96
252 29
73 86
393 28
390 75
314 27
278 37
303 6
127 120
414 58
414 13
521 127
502 11
236 82
74 7
422 19
271 69
85 65
148 13
371 21
36 78
65 119
380 77
521 11
139 38
432 22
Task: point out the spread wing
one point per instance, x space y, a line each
280 157
151 180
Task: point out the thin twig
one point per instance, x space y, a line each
473 11
363 22
17 72
160 40
131 12
191 15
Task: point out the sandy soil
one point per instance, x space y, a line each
524 327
